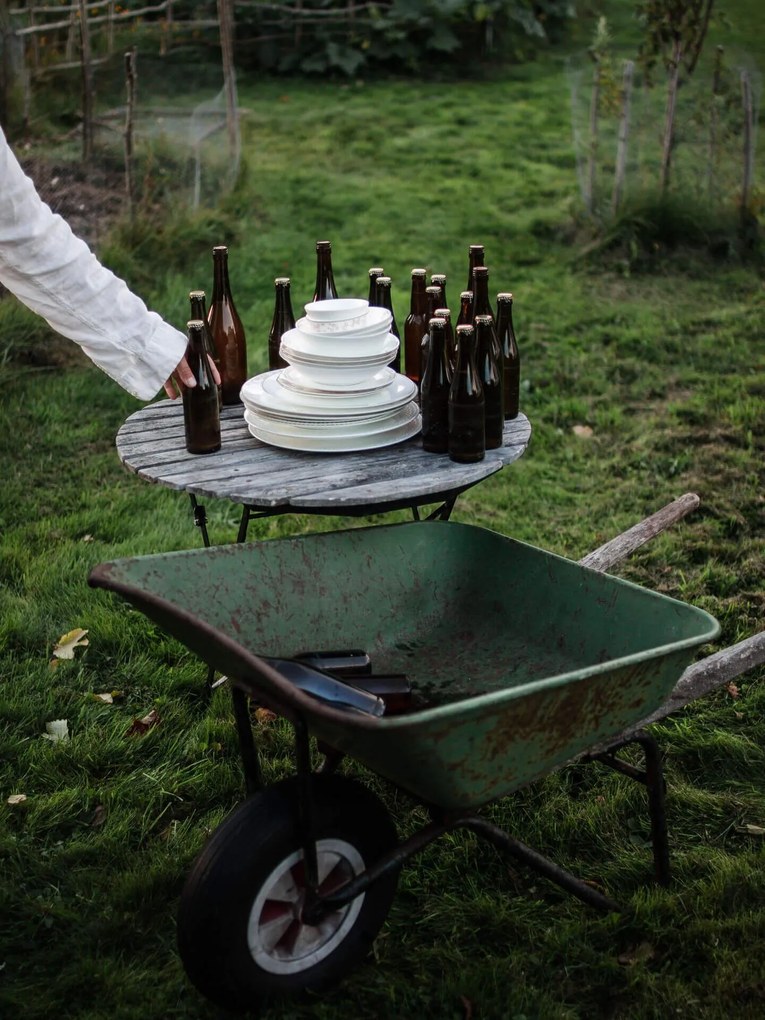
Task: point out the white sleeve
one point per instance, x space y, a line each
55 274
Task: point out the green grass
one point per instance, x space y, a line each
666 368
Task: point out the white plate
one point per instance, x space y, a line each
336 309
293 378
263 393
332 444
344 429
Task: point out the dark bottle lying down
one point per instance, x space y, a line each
345 679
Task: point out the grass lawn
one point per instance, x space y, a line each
667 368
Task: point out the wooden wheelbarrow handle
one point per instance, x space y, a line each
703 676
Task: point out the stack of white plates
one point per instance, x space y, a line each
338 393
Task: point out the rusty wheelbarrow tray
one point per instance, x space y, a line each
525 660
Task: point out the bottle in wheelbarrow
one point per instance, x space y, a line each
327 688
201 413
227 330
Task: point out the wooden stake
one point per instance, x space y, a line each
593 141
669 118
713 120
226 23
748 154
87 87
131 76
624 130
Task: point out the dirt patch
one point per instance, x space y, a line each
90 202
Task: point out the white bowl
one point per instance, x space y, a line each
348 376
372 321
293 378
297 345
336 309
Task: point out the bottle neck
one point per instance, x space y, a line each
419 301
221 286
198 310
481 304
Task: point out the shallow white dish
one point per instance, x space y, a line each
339 429
373 321
263 392
328 376
299 381
328 349
334 444
336 309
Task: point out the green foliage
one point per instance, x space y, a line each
675 31
402 35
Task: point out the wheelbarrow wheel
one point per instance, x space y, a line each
241 935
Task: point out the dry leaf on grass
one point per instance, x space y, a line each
67 643
140 726
733 690
583 431
56 730
99 817
107 698
637 954
264 715
16 798
752 830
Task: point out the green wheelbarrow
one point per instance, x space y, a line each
522 660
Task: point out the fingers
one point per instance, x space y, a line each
181 377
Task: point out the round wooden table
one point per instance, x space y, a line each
267 481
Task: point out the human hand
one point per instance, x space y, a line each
183 376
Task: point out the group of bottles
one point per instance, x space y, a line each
469 374
214 337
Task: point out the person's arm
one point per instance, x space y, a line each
55 274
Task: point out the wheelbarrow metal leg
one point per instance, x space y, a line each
652 777
504 841
253 779
306 827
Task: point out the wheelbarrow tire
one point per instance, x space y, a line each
248 875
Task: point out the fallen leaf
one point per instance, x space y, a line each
99 817
107 698
733 690
56 730
87 538
140 726
754 830
68 642
637 954
16 798
583 431
264 715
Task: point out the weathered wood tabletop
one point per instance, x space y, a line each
151 444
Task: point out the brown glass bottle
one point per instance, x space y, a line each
394 689
451 344
198 303
384 300
481 303
439 280
283 320
416 326
511 359
324 288
201 412
227 330
489 365
374 275
476 256
467 441
434 392
465 316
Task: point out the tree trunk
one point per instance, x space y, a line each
713 121
748 154
669 119
131 76
226 23
624 130
593 140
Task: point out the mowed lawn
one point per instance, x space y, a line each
665 368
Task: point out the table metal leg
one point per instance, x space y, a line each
200 519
